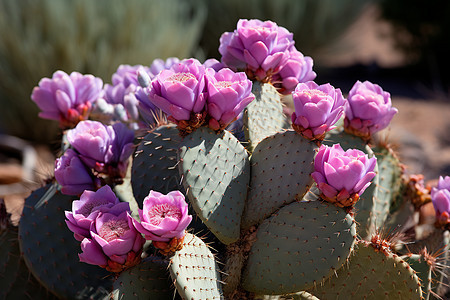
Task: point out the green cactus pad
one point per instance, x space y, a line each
429 279
281 167
148 280
154 164
372 274
50 250
263 116
216 174
298 247
365 206
194 271
389 183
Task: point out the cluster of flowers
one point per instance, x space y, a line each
111 238
192 94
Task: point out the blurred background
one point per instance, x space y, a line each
401 45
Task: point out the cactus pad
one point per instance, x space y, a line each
372 274
148 280
300 246
154 164
195 271
263 116
50 250
216 174
281 166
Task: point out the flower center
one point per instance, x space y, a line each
158 212
181 77
314 92
88 207
224 84
113 229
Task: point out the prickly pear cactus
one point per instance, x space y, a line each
186 210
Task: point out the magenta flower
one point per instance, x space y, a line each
440 197
85 210
228 93
67 99
342 176
297 69
163 217
114 243
368 109
105 149
317 109
72 174
179 92
260 48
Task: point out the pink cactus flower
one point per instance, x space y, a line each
163 220
228 93
259 48
114 243
342 176
368 109
440 197
317 109
67 98
85 210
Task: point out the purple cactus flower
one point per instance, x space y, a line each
297 69
260 48
440 197
158 65
228 93
317 109
103 148
342 176
67 99
73 175
124 82
368 109
180 91
163 217
85 210
114 243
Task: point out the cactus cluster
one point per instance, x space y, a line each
301 206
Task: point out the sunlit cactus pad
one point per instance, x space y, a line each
281 166
264 116
216 174
195 271
372 274
299 247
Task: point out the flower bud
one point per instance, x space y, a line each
67 99
317 109
368 109
260 48
228 93
342 176
72 174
